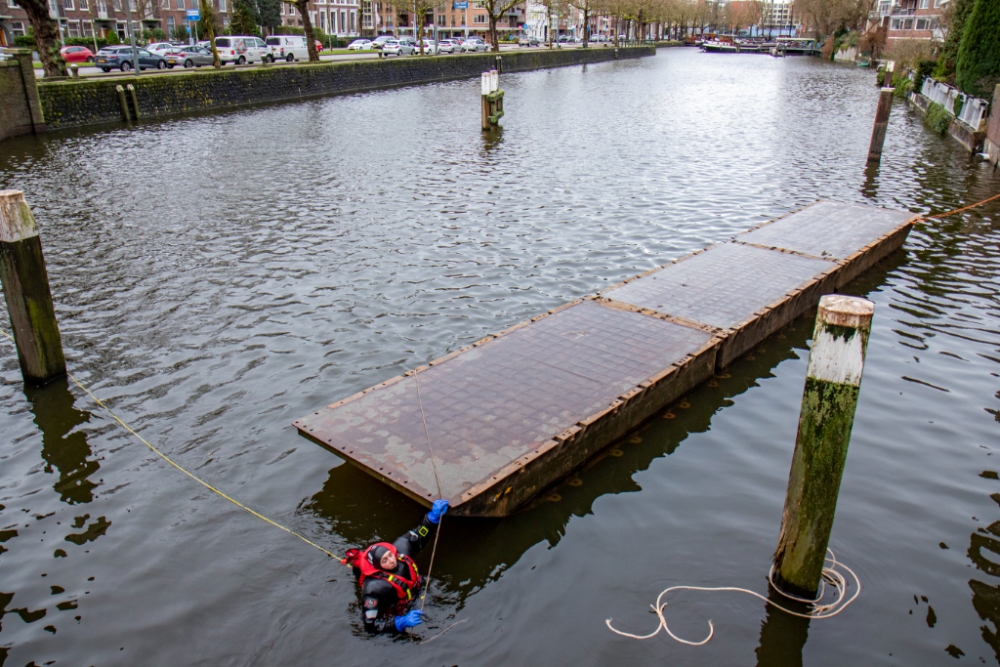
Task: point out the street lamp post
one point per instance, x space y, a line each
131 36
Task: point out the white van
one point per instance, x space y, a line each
240 49
287 47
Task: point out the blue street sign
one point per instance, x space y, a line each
194 15
461 5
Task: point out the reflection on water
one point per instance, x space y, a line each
260 263
64 448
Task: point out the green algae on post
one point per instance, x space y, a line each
26 290
833 379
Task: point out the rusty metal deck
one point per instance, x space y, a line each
520 409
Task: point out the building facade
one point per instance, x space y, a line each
455 18
911 19
99 18
334 17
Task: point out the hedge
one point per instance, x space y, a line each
978 65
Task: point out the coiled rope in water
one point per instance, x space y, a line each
831 576
184 470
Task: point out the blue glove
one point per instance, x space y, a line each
413 619
437 511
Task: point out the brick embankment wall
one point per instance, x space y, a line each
76 103
19 109
991 145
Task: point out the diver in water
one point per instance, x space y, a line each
388 577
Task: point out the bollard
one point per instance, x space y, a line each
881 123
492 107
74 71
135 100
123 102
836 360
485 87
26 290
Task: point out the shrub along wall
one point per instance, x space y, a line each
76 103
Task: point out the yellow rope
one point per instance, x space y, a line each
183 470
964 208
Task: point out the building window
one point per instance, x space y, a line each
73 28
897 24
17 28
479 18
907 24
68 4
222 5
171 24
353 19
83 5
88 29
884 8
925 4
922 24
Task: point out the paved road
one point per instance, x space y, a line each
359 55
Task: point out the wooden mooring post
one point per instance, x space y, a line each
881 123
836 361
492 108
26 290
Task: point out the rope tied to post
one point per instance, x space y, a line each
831 577
964 208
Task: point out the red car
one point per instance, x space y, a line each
77 54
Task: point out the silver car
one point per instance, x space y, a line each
474 45
392 47
189 56
446 46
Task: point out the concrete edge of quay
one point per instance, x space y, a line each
77 103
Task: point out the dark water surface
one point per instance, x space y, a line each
217 277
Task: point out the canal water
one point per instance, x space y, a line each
218 276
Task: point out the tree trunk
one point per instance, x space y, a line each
493 33
550 24
419 32
586 26
209 28
307 27
46 37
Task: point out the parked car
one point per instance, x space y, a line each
160 48
240 49
380 40
447 46
77 54
430 47
121 57
528 40
188 56
393 47
360 45
286 47
474 44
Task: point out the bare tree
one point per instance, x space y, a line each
303 8
587 7
496 10
46 36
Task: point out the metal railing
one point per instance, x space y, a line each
973 109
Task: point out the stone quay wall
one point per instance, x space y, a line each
20 112
93 101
